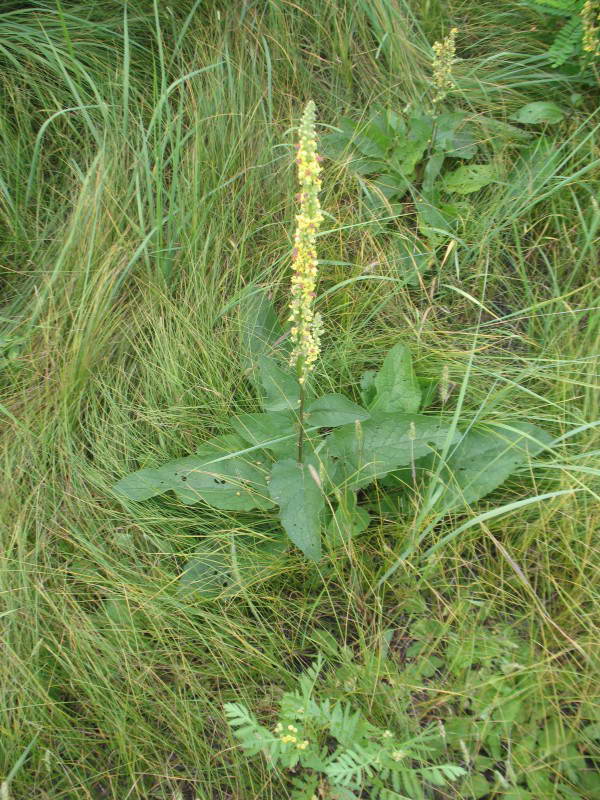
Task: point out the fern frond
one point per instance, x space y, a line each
351 767
252 735
310 677
568 40
563 8
305 788
441 774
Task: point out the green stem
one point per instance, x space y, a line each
301 421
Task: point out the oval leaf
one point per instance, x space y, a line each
396 386
470 178
538 113
260 330
280 386
485 458
384 442
333 410
300 501
275 431
213 475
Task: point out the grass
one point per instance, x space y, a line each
130 226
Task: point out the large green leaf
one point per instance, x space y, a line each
348 521
214 570
373 140
437 220
333 410
275 430
207 572
471 178
300 499
337 143
384 442
485 458
452 139
261 332
409 150
234 483
542 111
396 385
281 390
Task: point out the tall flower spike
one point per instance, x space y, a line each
306 325
590 20
444 56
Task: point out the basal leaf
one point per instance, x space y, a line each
212 570
396 385
383 443
280 386
391 185
337 143
452 139
367 386
413 258
437 220
266 430
300 499
485 458
260 330
333 410
409 150
374 139
445 128
141 485
367 166
432 170
537 113
470 178
349 520
234 483
207 572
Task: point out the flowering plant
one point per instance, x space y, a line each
334 752
311 454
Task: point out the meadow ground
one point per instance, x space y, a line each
147 180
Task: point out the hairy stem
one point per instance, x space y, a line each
301 421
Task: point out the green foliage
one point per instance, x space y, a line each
297 490
396 387
569 41
331 745
214 475
469 179
540 112
346 447
408 153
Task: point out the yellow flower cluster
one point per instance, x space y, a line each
306 325
590 20
444 56
289 738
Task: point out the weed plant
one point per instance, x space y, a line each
132 228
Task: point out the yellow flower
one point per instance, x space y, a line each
306 325
444 53
288 738
590 20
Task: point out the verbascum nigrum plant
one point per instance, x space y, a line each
312 454
590 22
444 56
